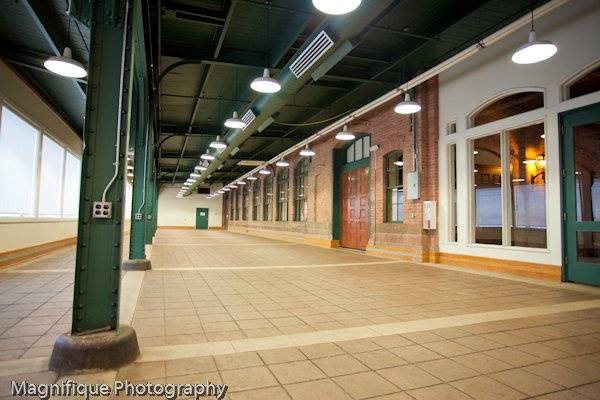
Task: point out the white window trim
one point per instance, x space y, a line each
568 81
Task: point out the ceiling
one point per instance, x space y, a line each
236 40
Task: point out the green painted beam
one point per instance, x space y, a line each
108 106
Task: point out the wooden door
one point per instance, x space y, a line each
355 220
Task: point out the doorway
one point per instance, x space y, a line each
201 218
355 209
581 194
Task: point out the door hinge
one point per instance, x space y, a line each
564 173
564 216
566 260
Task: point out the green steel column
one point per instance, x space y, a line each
150 189
140 131
156 193
99 240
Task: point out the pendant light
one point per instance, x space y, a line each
218 143
534 50
200 168
65 65
235 122
240 183
336 7
307 152
264 171
207 157
226 189
345 135
252 178
194 175
265 84
282 163
407 106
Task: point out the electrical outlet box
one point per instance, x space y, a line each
102 210
138 216
429 215
412 180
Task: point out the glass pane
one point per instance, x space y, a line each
350 154
18 151
358 150
588 247
400 201
508 106
71 190
586 147
527 186
366 146
452 200
50 178
487 178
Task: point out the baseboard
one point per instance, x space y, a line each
13 257
519 268
287 237
175 227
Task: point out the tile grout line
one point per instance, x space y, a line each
262 267
171 352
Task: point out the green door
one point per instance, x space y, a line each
581 194
201 218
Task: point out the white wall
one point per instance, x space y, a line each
16 93
182 212
574 28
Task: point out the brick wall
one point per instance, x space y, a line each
389 131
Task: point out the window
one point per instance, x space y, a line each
18 165
508 106
394 187
245 200
300 201
231 196
238 204
282 194
588 83
267 197
511 211
255 199
51 176
358 150
453 236
451 128
43 176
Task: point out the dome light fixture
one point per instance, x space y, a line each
233 186
407 106
534 50
307 152
264 171
240 183
344 134
200 168
226 189
252 178
235 122
282 163
265 84
336 7
65 65
218 143
399 163
207 157
194 175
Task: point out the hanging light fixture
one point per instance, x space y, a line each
534 50
226 189
307 152
344 134
65 65
264 171
407 106
282 163
194 175
399 163
207 157
240 183
336 7
265 84
235 122
218 143
233 186
252 178
200 168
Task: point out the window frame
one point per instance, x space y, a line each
389 189
267 200
282 203
502 95
255 199
300 200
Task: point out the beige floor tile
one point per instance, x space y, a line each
392 341
526 382
141 371
238 360
272 393
592 390
415 353
379 359
296 371
439 392
478 343
447 370
365 385
484 388
514 357
358 346
542 351
482 363
409 377
278 356
394 396
187 366
321 350
325 389
422 337
558 374
243 379
448 348
582 365
340 365
563 395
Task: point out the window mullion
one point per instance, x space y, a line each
505 188
61 200
37 174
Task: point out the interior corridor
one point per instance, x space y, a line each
280 320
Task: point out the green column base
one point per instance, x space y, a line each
136 265
95 351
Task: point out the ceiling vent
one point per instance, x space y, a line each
248 117
315 50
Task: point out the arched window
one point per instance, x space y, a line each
255 199
283 185
394 193
584 83
300 202
245 203
507 106
230 196
267 197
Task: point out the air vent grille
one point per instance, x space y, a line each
315 50
249 117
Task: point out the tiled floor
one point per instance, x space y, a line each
223 291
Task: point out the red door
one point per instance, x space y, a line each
355 221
